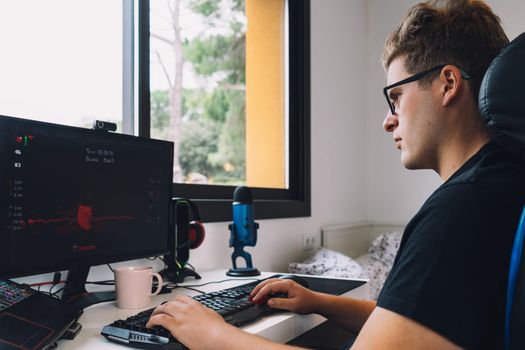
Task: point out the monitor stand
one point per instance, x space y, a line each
75 294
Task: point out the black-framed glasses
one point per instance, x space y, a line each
415 77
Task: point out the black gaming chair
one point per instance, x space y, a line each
502 105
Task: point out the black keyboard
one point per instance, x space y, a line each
232 304
12 293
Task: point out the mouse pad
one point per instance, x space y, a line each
19 333
333 286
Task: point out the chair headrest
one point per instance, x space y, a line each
502 97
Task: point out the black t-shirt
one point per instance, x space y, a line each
450 273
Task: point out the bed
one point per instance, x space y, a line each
354 250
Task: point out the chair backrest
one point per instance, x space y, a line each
502 105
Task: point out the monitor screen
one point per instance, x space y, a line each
74 197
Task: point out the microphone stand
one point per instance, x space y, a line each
239 252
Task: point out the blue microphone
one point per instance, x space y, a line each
243 232
245 227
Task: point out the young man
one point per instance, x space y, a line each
446 289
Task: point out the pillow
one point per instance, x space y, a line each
381 255
328 263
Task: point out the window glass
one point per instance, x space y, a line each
201 64
61 60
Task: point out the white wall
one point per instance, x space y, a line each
356 172
511 13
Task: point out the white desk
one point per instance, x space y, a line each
281 327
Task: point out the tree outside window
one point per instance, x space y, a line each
198 87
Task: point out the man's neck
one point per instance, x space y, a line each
461 146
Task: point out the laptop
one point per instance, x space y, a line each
31 320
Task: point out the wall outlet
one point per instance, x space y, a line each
311 241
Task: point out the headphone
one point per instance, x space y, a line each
188 234
196 232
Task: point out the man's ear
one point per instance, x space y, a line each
452 84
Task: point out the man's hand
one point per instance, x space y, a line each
298 299
193 324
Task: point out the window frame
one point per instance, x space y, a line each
214 201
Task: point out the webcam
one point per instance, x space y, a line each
106 126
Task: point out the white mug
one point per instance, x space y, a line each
133 285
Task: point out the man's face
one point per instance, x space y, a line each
414 126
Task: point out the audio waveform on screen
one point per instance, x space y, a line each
84 218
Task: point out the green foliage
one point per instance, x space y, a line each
213 132
205 8
232 140
199 138
216 106
192 103
239 5
213 121
218 53
160 109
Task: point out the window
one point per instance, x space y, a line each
228 82
240 114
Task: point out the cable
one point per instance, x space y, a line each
185 244
112 269
55 293
221 281
194 289
40 284
172 285
56 280
102 283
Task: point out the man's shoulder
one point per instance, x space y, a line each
492 175
491 165
490 192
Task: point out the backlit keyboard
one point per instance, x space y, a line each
12 293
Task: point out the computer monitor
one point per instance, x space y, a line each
71 198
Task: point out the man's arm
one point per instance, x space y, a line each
346 312
384 330
387 330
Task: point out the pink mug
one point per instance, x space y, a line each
133 285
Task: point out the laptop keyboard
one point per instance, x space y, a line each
232 304
12 293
